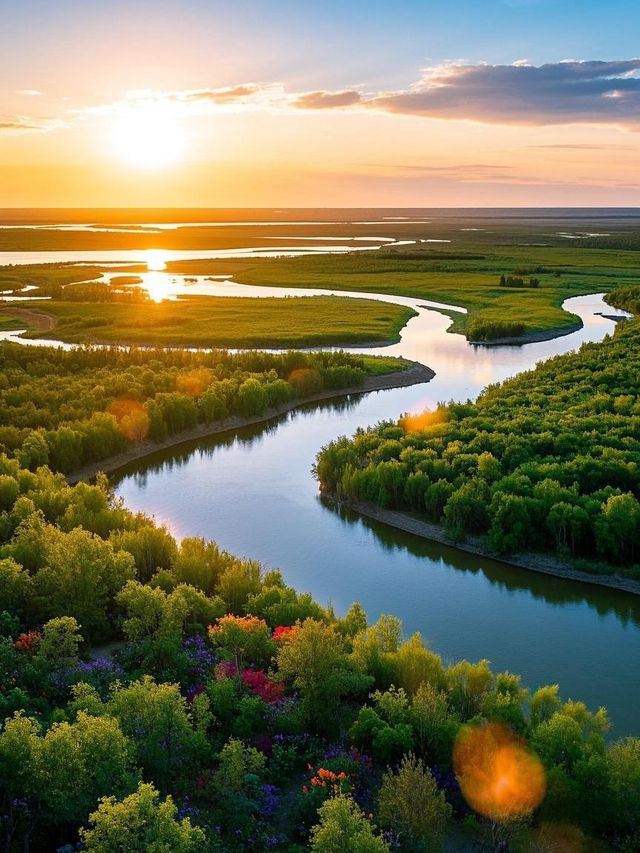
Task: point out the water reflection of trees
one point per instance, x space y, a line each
554 591
175 458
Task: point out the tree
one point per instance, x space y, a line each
239 766
624 769
34 451
156 718
413 665
81 576
544 703
434 723
60 776
252 398
470 684
411 804
152 548
244 638
618 528
314 660
9 491
60 641
141 823
15 587
343 828
81 762
240 580
151 612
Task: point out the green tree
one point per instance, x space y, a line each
81 576
140 823
315 662
618 528
343 828
156 718
411 804
60 642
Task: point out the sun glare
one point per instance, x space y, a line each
149 137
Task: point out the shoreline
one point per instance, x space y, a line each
415 374
540 563
533 337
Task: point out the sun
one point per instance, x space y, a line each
149 137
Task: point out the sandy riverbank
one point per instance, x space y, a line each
543 563
413 375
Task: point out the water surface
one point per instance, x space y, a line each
252 491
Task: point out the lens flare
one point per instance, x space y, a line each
424 421
131 417
195 382
498 775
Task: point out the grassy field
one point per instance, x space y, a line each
469 279
227 322
570 255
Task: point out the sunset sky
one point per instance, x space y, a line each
207 103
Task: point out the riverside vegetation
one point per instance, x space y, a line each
547 461
70 408
158 695
557 257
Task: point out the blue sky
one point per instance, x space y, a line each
323 44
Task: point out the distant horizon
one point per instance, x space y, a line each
278 208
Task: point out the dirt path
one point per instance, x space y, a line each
37 321
413 375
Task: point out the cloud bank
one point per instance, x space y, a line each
570 92
558 93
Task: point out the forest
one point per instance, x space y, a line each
548 461
69 408
160 696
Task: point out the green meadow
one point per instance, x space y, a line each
226 322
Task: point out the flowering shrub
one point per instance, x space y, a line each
99 673
193 691
261 685
338 783
226 669
284 632
201 658
28 642
243 637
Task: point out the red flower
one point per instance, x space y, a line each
284 632
28 642
261 685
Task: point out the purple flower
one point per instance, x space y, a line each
270 800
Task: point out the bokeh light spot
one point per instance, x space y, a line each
499 776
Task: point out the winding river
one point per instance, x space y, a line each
252 491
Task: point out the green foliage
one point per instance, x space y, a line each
411 804
547 461
157 718
140 823
74 408
343 828
230 724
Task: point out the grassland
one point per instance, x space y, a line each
471 281
571 255
226 322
